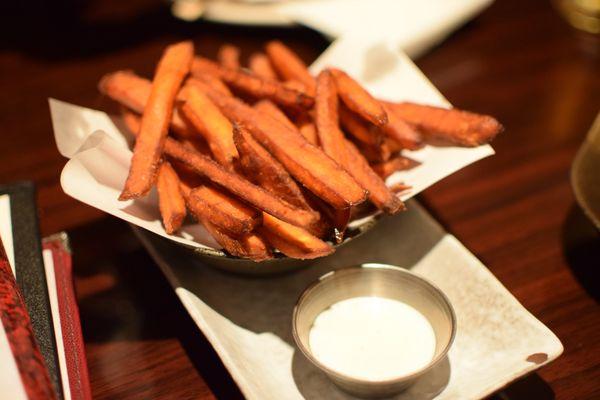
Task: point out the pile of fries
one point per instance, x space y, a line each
270 157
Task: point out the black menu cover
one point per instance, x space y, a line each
30 273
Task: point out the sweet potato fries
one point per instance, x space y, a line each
172 69
284 166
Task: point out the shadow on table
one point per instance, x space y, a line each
581 247
265 305
114 307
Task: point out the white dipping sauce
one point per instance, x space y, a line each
372 338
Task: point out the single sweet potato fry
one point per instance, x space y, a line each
260 167
211 80
263 88
400 131
399 188
133 91
204 66
358 99
305 162
360 129
223 211
379 194
268 107
398 163
126 88
259 64
255 86
207 119
289 65
331 137
229 56
375 154
233 183
451 125
170 200
293 241
172 69
251 246
131 119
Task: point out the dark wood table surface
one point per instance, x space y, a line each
519 61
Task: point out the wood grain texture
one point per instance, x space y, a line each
518 61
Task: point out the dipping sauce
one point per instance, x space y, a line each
372 338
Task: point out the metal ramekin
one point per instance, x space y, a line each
381 281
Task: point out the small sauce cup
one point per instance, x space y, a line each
374 280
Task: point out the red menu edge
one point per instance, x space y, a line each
77 370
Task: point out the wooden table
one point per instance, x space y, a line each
518 61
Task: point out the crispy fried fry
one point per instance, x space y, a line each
132 120
254 85
223 211
263 169
133 91
212 81
358 99
127 88
171 202
399 188
293 241
379 194
398 163
251 246
204 66
262 88
254 195
172 69
305 162
229 56
375 154
360 129
452 125
401 132
211 123
259 64
289 65
345 153
170 199
268 107
331 137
